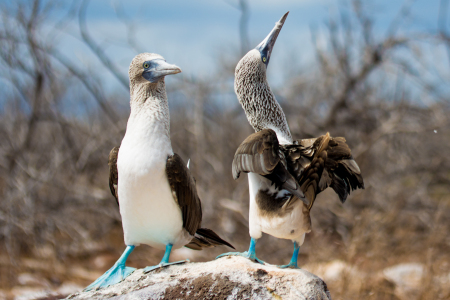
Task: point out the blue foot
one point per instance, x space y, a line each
162 265
243 254
116 274
165 261
250 254
293 263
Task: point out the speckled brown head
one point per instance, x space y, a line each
253 91
148 68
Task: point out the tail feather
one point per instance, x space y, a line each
206 238
323 162
347 175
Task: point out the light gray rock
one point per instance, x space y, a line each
225 278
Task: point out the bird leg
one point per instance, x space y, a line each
250 254
116 274
293 263
165 261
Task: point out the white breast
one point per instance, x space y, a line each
288 224
149 212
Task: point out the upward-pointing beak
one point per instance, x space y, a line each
266 46
158 69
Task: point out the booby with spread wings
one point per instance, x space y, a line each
154 188
285 175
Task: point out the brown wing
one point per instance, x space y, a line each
113 175
260 153
183 188
322 162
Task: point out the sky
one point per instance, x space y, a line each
194 34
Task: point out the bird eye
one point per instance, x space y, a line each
146 65
264 59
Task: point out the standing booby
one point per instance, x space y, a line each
158 199
284 175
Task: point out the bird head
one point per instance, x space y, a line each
150 68
260 56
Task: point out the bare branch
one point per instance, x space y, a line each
96 49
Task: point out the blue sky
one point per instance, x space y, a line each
193 34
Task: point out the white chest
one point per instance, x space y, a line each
287 223
149 212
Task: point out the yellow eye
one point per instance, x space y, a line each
146 65
264 59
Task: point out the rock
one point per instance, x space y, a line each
28 293
338 273
33 292
408 274
32 280
334 270
68 288
225 278
408 279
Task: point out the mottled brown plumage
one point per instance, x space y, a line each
323 162
206 238
184 191
113 175
260 153
312 164
256 97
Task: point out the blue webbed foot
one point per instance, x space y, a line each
162 265
293 263
245 254
165 261
116 274
250 254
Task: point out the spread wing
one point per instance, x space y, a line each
260 153
323 162
113 175
183 188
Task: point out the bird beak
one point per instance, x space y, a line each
160 68
266 46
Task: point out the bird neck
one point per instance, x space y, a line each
261 108
150 108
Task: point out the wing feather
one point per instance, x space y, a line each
182 184
323 162
113 174
260 153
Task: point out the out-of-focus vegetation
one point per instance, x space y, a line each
388 94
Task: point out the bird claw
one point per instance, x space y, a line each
291 265
245 254
163 265
116 274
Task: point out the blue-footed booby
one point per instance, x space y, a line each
284 175
154 188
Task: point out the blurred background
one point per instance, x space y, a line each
375 72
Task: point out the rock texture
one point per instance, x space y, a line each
225 278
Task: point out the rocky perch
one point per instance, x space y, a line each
225 278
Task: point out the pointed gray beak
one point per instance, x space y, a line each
158 68
266 46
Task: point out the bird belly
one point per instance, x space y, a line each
286 222
288 225
150 214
